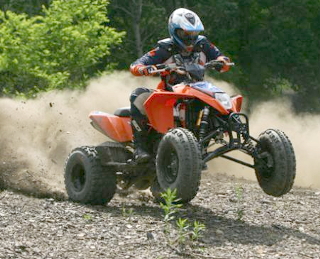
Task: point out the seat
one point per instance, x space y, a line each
123 112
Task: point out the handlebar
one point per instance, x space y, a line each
165 67
216 64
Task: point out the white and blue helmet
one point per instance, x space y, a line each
184 27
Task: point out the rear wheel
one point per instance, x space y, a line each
86 180
276 163
178 164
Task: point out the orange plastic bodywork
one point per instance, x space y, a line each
159 110
161 85
159 106
236 103
201 96
115 127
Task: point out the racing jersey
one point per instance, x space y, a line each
165 51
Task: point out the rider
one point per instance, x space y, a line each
184 28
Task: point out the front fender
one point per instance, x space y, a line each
159 105
159 109
236 103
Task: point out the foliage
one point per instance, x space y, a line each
87 217
145 23
271 42
170 206
239 195
186 233
59 49
30 7
127 212
274 44
197 230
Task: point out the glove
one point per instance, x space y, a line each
224 67
147 70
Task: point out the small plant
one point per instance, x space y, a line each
127 212
185 231
239 195
170 206
197 230
87 217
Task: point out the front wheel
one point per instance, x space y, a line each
275 163
178 164
86 180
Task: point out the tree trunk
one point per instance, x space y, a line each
136 10
244 17
132 11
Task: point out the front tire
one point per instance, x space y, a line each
276 163
178 165
86 180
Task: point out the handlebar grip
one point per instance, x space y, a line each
160 66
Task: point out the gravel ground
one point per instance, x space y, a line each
241 222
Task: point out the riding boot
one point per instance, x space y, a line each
139 123
140 140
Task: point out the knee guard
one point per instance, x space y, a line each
137 99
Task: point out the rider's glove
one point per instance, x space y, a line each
224 67
147 70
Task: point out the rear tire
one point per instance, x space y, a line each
86 180
276 167
178 165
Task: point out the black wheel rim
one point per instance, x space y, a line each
170 165
265 171
78 178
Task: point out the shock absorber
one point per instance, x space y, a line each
204 123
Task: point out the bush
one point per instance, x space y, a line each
60 49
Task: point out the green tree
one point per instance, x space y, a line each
275 44
59 49
144 23
279 43
30 7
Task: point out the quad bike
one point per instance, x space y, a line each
191 124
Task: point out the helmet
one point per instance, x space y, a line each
184 27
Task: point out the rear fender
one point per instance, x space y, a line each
115 127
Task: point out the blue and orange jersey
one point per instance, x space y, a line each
165 50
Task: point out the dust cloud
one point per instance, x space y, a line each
303 132
37 135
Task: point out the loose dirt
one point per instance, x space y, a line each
252 225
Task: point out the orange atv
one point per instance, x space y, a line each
189 125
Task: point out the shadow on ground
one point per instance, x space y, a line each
230 230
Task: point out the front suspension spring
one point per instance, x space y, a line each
204 123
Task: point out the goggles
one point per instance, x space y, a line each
188 37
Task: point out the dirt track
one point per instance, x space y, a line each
36 137
132 226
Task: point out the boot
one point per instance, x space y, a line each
141 155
